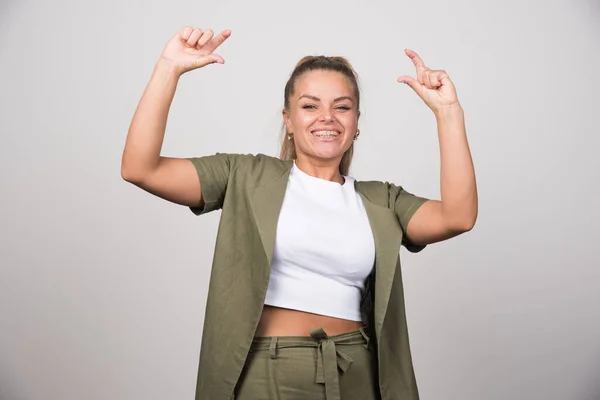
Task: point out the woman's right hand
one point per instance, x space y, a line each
193 48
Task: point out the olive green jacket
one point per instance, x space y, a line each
250 189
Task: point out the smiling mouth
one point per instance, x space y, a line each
326 134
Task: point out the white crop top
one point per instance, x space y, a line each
324 248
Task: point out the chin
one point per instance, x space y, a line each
328 155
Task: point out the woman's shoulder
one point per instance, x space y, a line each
260 163
373 188
380 192
251 166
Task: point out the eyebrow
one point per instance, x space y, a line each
318 99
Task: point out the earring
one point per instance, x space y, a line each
357 134
290 136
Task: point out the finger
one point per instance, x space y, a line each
418 63
436 78
430 79
425 80
206 36
445 79
209 59
220 38
185 32
416 59
215 58
412 82
194 36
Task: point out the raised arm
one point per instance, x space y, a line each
457 211
173 179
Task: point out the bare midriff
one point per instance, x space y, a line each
277 321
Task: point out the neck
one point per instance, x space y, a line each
323 170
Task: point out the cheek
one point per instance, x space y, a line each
350 123
303 120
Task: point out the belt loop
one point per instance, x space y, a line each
364 334
273 347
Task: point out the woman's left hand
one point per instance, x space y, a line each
433 86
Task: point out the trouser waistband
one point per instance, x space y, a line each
329 356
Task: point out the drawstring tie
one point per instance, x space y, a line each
329 359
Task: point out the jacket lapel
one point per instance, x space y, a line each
266 204
387 235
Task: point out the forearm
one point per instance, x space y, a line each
458 184
147 128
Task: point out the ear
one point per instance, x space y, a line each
286 120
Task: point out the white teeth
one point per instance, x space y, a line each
326 133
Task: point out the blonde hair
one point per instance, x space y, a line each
323 63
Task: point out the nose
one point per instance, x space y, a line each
326 117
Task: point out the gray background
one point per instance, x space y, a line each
103 286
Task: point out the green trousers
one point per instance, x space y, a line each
315 367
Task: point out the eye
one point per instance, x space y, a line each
308 106
344 108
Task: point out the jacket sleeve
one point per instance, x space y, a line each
213 172
405 205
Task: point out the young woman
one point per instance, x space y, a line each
305 298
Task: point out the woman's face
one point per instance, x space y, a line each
322 115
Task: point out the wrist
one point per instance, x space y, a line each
449 112
167 67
